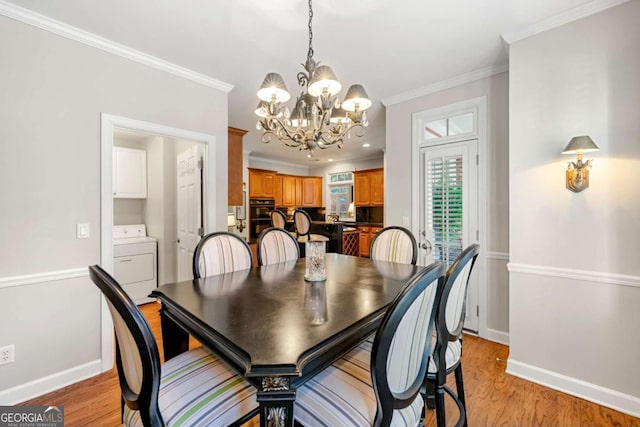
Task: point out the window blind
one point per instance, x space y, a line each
444 206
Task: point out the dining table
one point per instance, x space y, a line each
277 329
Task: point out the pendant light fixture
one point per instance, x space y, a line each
319 118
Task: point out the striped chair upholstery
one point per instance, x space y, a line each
276 245
278 219
379 383
447 354
219 253
302 223
194 388
394 244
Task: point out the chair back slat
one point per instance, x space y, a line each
276 245
129 354
219 253
394 244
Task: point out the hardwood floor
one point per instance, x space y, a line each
493 397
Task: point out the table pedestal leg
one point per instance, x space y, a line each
276 402
174 339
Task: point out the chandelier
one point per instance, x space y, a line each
319 119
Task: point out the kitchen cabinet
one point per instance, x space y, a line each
261 183
308 192
129 177
289 187
234 181
277 190
366 235
368 187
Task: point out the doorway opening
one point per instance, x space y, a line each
158 206
449 193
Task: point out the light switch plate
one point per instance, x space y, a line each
82 231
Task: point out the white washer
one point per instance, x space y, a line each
135 261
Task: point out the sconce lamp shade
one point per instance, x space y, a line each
231 220
580 144
351 210
273 87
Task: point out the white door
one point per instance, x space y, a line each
449 209
189 210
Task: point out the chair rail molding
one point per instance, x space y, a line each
584 275
43 22
49 276
504 256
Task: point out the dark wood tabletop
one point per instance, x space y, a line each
269 323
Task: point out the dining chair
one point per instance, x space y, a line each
193 388
221 252
379 383
278 219
447 353
276 245
302 224
394 244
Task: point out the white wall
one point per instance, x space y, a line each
398 189
575 275
53 92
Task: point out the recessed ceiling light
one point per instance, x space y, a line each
331 160
365 145
309 155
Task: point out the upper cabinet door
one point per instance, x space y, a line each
377 187
362 189
308 192
234 170
129 173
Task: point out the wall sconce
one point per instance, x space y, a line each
578 172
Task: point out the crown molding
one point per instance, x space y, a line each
512 36
43 22
446 84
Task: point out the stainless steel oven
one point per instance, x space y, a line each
259 218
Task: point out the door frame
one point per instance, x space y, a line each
481 132
109 123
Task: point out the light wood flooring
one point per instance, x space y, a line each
494 398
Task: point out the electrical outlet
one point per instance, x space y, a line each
7 354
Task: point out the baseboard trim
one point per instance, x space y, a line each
495 335
584 275
40 386
613 399
49 276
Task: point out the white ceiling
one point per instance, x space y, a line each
391 47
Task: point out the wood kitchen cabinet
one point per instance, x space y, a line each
308 192
366 235
289 185
368 187
261 183
277 190
234 180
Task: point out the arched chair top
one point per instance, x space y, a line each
221 252
276 245
384 378
278 219
302 224
394 244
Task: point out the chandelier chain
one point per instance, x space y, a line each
310 52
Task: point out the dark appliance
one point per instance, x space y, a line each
259 218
